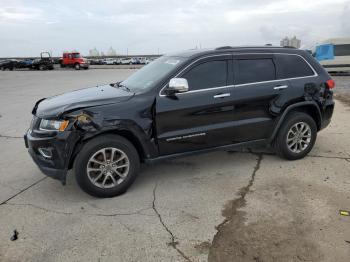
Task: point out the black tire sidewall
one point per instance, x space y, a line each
96 144
292 119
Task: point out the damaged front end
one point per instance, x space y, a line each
53 147
52 150
61 122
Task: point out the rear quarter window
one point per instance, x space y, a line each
291 66
254 70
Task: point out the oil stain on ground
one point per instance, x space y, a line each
261 241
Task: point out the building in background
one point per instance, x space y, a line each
94 52
111 52
294 42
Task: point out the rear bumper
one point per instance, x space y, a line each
327 114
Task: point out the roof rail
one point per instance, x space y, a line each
263 46
223 47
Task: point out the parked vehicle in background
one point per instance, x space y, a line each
45 62
56 60
187 103
74 59
126 61
27 63
135 61
110 61
334 54
9 64
96 61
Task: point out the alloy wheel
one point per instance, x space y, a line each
299 137
108 167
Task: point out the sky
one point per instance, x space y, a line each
28 27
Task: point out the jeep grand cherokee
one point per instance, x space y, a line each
181 104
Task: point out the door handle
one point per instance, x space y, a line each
222 95
280 87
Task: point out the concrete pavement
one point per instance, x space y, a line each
221 206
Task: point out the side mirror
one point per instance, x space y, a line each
177 85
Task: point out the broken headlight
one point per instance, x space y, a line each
53 125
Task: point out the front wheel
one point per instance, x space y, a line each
77 67
296 137
107 166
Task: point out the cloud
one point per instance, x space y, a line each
19 14
143 26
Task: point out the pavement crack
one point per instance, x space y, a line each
233 216
39 207
250 151
23 190
137 212
173 243
331 157
11 137
240 202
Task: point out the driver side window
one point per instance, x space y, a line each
207 75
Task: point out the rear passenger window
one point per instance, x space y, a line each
254 70
207 75
290 66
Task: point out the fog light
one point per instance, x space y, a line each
45 152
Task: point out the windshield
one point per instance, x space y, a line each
76 55
152 73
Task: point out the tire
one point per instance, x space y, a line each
292 123
77 67
91 151
42 67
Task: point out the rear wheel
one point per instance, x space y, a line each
296 137
107 166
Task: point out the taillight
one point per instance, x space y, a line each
330 84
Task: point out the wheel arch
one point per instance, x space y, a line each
127 134
308 107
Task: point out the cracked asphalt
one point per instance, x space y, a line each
244 205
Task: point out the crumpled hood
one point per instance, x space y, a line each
101 95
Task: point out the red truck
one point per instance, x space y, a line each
74 59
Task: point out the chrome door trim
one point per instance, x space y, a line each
222 95
239 85
280 87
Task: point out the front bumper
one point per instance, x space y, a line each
60 145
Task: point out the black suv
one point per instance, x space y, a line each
180 104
